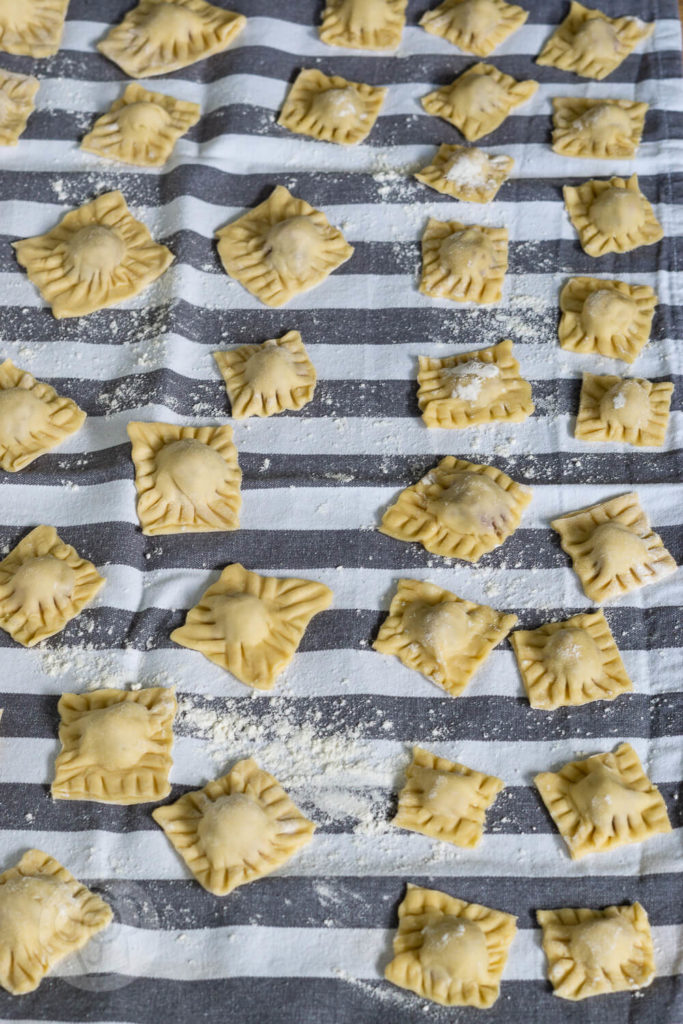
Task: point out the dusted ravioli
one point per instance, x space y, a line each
476 26
466 173
600 129
97 256
116 745
32 28
440 635
363 24
565 664
281 248
17 101
160 36
141 127
236 829
445 800
450 951
187 478
330 108
473 387
627 409
611 216
33 417
463 263
479 100
44 583
590 44
613 548
603 802
611 318
251 625
459 509
265 379
593 952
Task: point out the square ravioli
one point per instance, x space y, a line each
445 800
160 36
266 379
45 914
363 24
613 548
603 802
44 583
448 950
187 478
97 256
330 108
590 44
463 262
17 102
116 745
473 387
236 829
569 663
459 509
627 409
478 101
33 417
466 173
593 952
32 28
281 247
141 127
599 129
611 216
251 625
609 318
440 635
475 26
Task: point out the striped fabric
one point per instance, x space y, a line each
308 944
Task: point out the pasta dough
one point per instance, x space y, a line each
476 26
459 509
32 28
187 478
141 128
590 44
97 256
45 914
17 101
611 318
613 548
281 248
160 36
251 625
611 216
116 745
448 950
33 417
603 802
44 583
627 409
592 952
479 100
440 635
463 263
569 663
236 829
445 800
600 129
363 24
473 387
330 108
262 380
466 173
